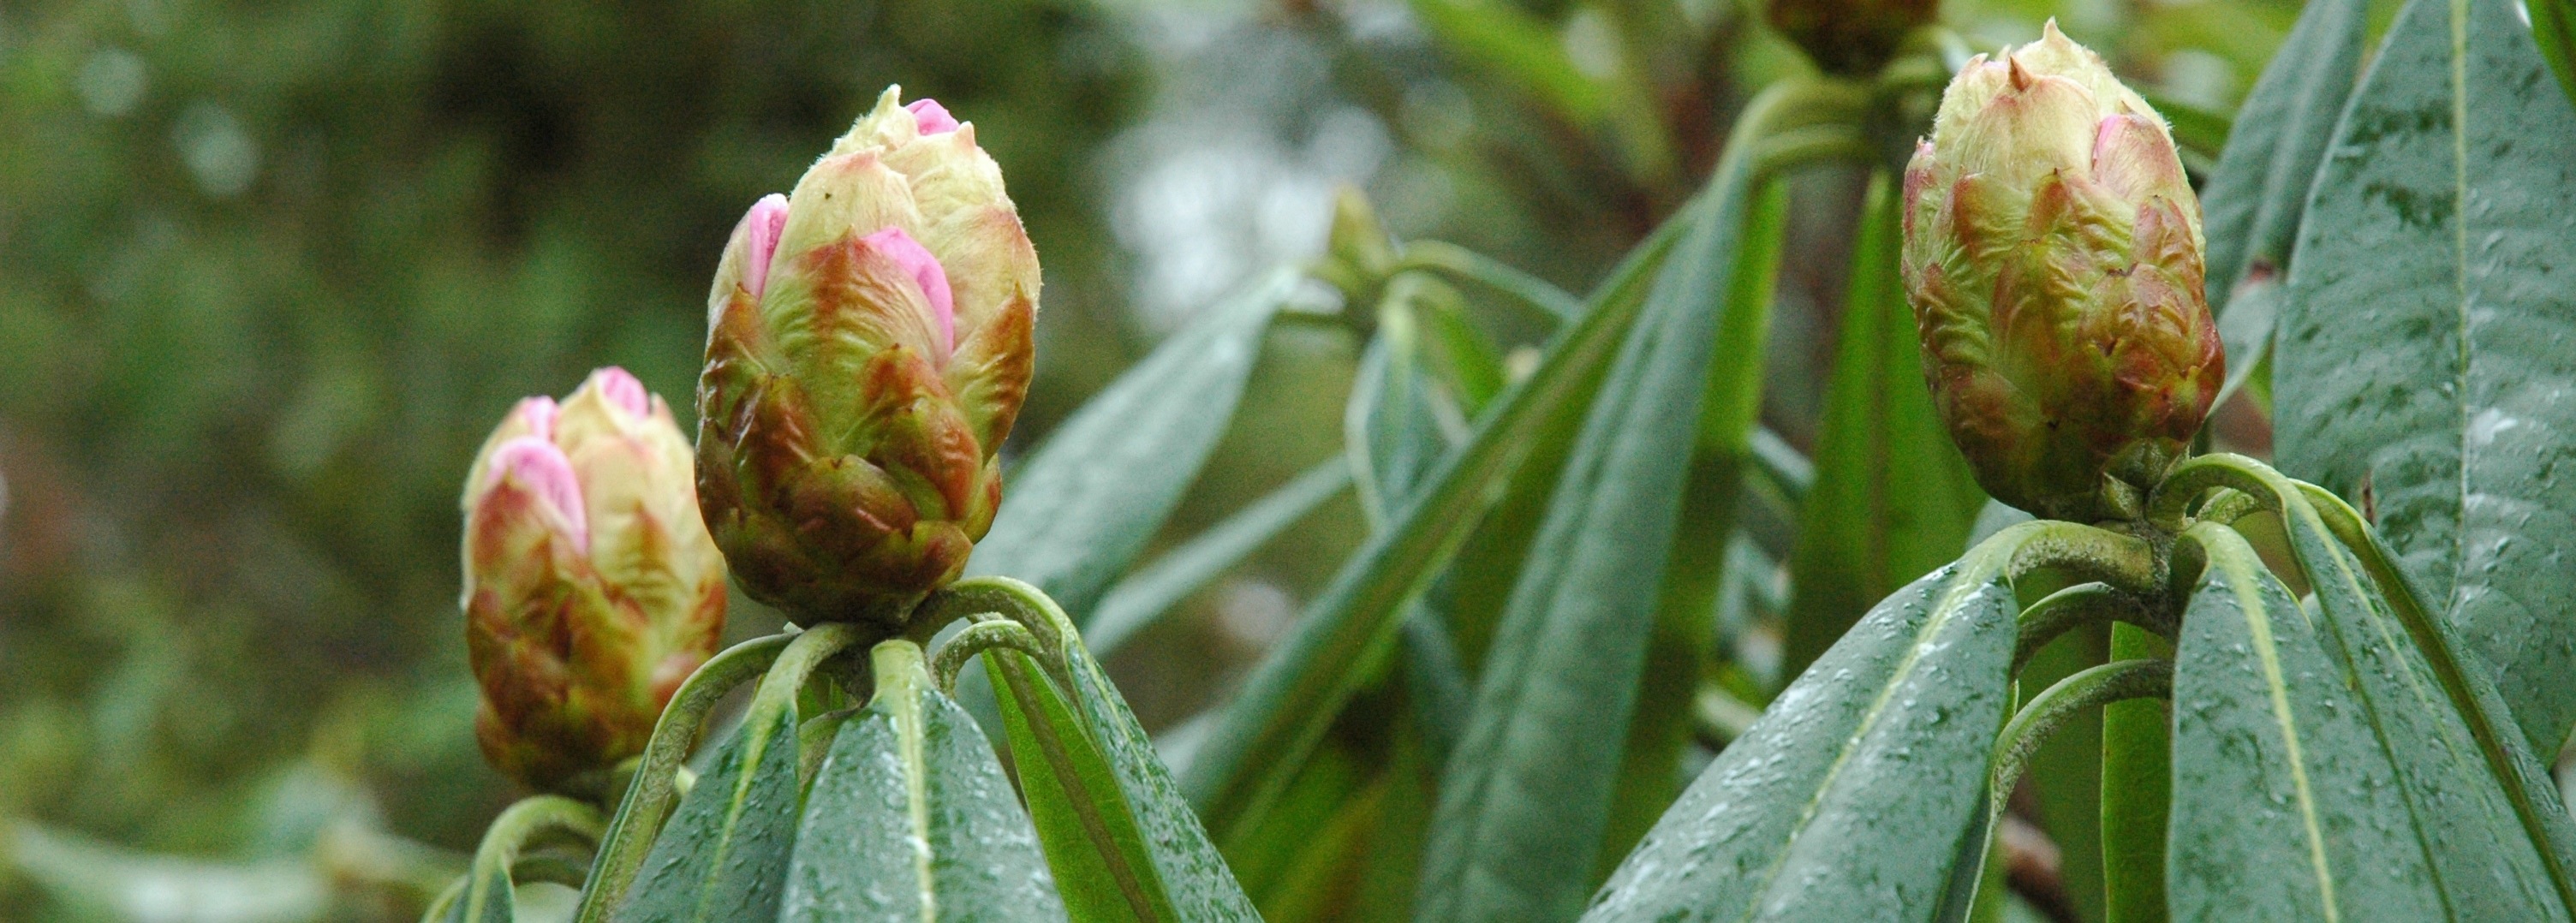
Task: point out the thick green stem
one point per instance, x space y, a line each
2075 607
2117 681
978 638
1046 628
517 827
788 660
2137 780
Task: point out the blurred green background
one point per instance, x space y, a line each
270 270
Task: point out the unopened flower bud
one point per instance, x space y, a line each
2053 257
591 586
868 347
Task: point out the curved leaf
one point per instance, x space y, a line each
1858 792
489 894
1298 689
2486 815
1124 843
910 817
2285 805
724 854
1526 796
2496 840
1082 507
2424 363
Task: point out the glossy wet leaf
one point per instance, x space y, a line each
1856 794
2426 363
2285 804
723 855
1893 498
1124 843
1526 796
1079 510
2494 831
2486 814
911 818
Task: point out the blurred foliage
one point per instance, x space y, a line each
268 273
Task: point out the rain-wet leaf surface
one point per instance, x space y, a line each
724 853
2285 805
1852 797
2426 363
863 853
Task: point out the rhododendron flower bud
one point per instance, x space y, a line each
2053 257
591 586
868 347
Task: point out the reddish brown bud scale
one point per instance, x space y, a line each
2053 257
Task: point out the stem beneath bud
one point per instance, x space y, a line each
2036 722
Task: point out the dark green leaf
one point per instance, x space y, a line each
2426 364
1859 790
1082 507
724 853
1092 841
2261 185
2285 806
1525 798
1893 499
1082 752
2483 812
911 818
2489 822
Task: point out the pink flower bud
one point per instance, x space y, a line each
850 408
591 585
2053 258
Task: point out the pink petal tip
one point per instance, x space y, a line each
767 220
541 468
924 268
931 117
538 413
621 389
